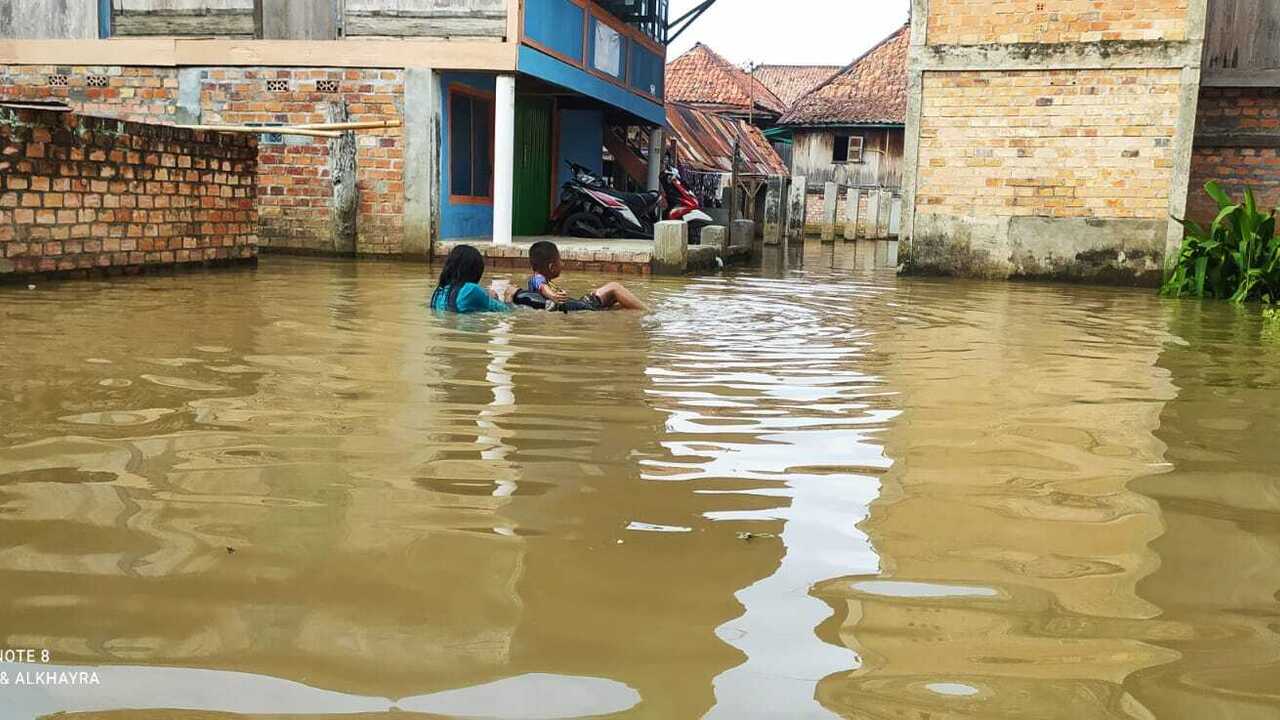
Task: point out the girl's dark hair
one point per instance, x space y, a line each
464 265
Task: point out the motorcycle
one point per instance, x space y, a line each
591 209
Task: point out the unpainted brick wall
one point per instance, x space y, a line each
143 94
78 193
296 181
1060 143
1235 111
978 22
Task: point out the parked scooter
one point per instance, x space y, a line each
591 209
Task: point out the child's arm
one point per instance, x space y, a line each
553 293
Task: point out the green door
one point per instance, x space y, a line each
531 206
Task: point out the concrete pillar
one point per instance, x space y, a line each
671 247
422 171
873 214
775 209
895 217
742 233
504 157
715 236
830 198
885 200
656 140
796 209
851 210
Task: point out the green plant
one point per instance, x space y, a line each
1237 257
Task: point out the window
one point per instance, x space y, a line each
470 146
848 149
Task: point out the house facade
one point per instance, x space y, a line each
490 95
850 129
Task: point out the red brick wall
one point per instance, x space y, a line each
295 177
79 193
142 94
1225 112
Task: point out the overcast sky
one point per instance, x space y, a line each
796 32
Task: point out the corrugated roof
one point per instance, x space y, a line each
791 82
870 90
704 142
700 76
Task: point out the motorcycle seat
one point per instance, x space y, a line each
643 199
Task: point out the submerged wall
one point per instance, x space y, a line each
1049 143
81 193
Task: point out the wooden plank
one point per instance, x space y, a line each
220 23
300 19
170 52
49 19
443 25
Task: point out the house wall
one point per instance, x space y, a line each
299 178
65 19
1242 44
460 219
580 140
1062 159
83 193
1238 146
881 164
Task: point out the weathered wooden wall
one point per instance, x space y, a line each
301 19
426 18
49 19
1242 43
220 18
308 19
881 164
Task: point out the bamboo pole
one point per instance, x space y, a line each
264 130
366 125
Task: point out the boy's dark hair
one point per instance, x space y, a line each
464 265
542 254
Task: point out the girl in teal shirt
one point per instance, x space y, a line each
459 287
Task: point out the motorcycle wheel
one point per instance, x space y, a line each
583 225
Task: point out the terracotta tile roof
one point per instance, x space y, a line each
872 89
702 77
704 142
790 82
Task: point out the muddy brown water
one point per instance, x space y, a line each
293 492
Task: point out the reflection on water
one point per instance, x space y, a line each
788 494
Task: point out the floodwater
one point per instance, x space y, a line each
293 492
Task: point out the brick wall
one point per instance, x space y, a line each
976 22
296 176
1232 125
1054 143
80 193
142 94
1028 167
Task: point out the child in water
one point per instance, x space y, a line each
459 287
544 258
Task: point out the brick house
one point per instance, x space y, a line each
1058 140
470 80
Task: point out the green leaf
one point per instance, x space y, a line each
1215 191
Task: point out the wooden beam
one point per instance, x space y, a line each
175 52
264 130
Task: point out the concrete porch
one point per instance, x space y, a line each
633 257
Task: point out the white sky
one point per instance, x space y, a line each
795 32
